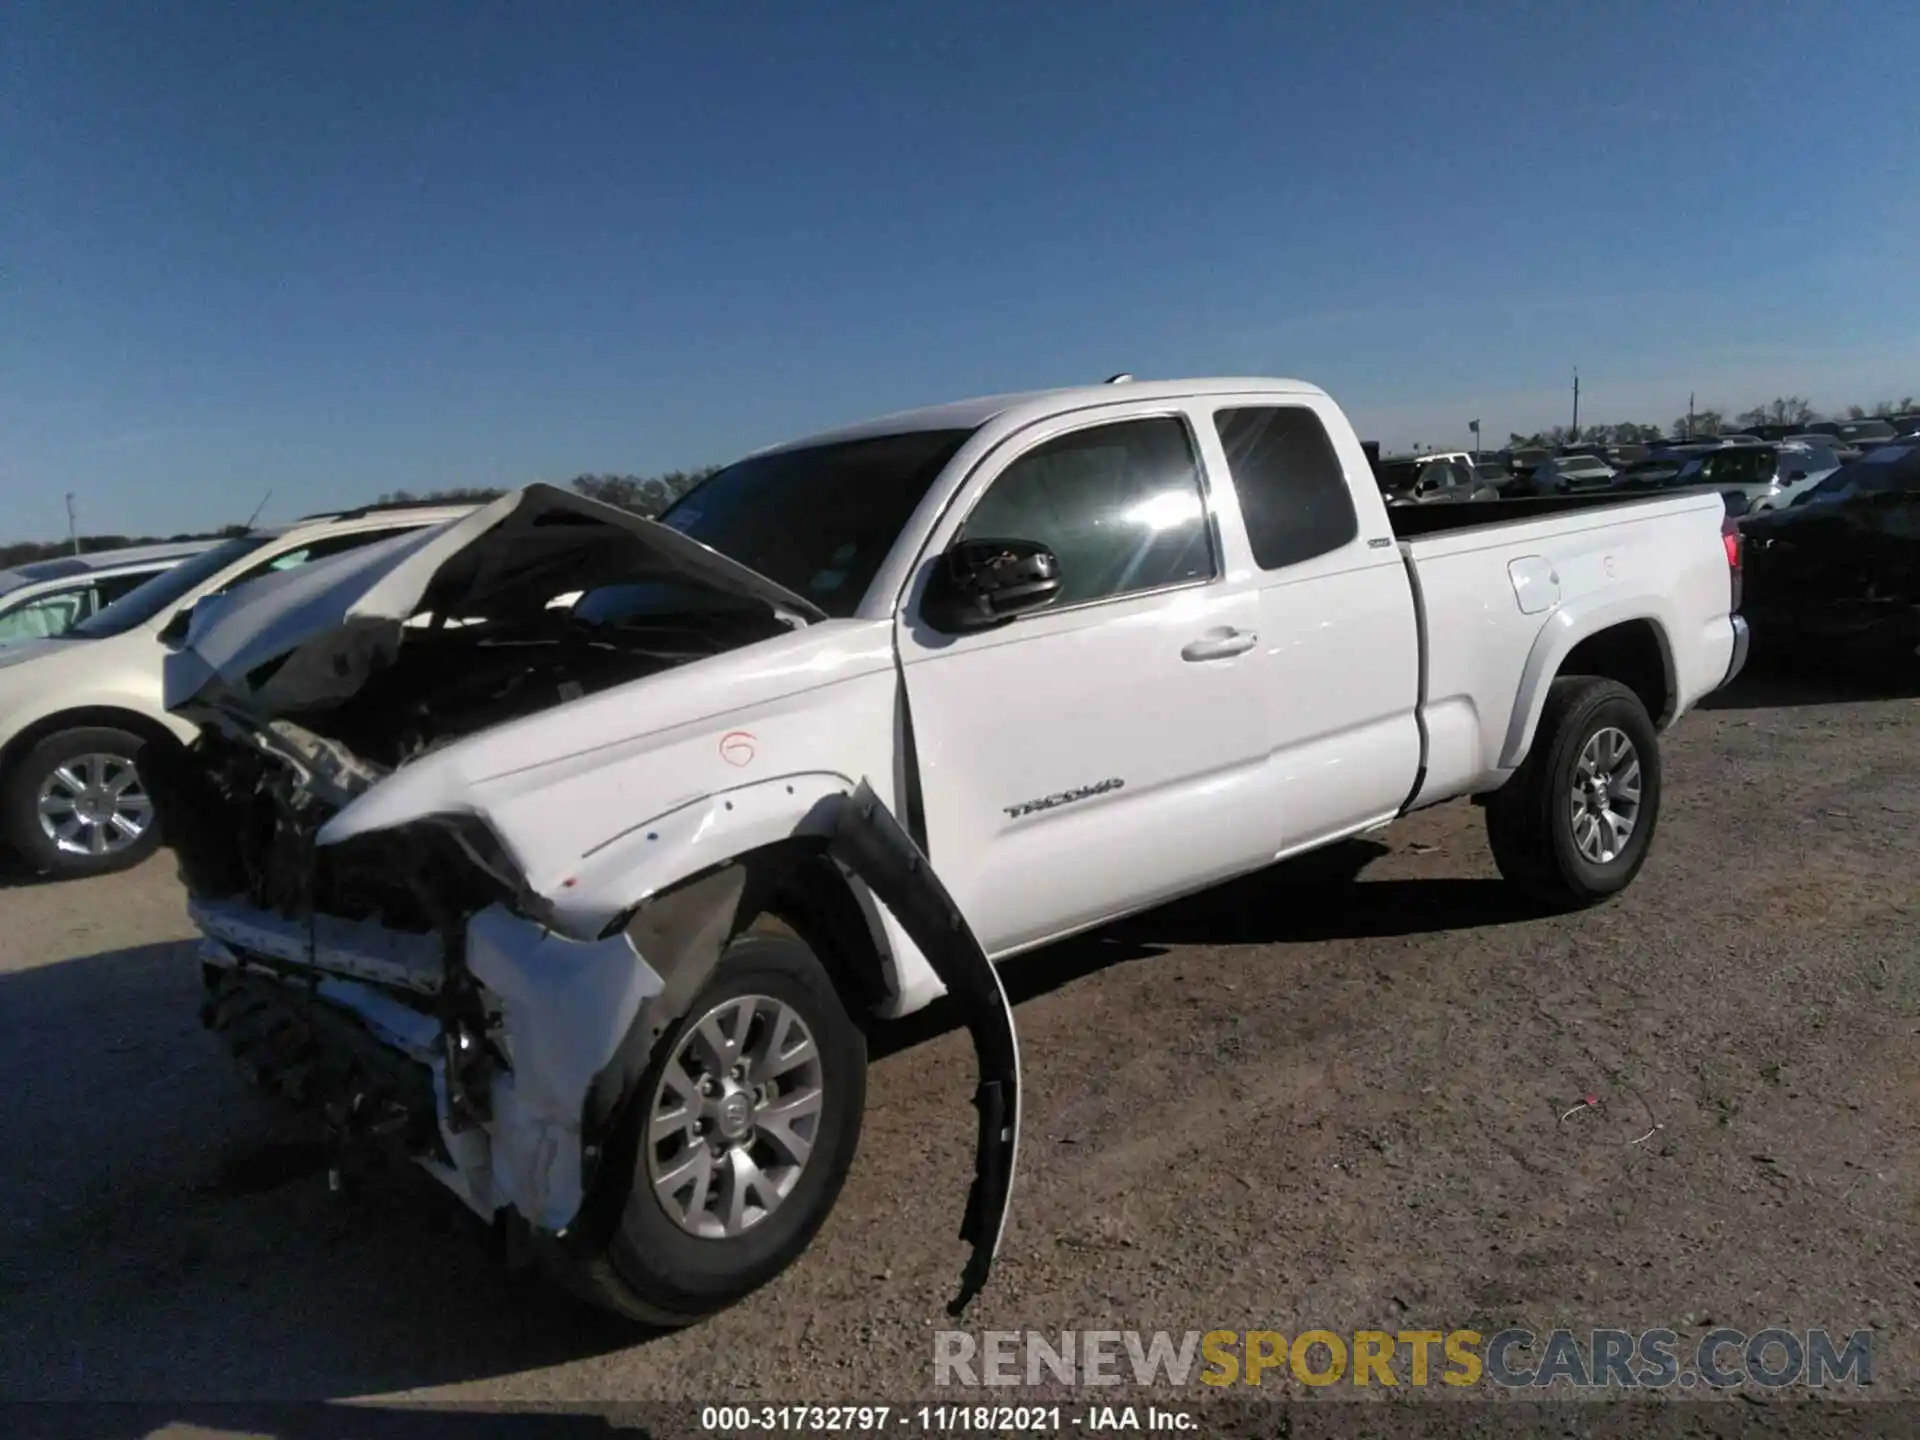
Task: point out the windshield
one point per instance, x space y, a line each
818 520
142 603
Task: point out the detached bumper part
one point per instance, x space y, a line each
567 1005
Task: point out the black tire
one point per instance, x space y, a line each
1530 818
654 1271
20 799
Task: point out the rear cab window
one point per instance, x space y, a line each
1294 497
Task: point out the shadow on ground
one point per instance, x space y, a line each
166 1237
1778 684
1315 897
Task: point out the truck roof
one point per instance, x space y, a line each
972 414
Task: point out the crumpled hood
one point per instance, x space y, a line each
314 633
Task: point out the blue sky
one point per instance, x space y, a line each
343 248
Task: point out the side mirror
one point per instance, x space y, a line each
980 583
174 634
1796 474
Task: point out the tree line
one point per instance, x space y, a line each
1708 422
643 494
26 552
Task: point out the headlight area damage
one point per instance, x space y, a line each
639 1106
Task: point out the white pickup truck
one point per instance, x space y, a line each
567 852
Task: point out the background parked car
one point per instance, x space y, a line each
1839 575
1571 475
75 712
1426 479
49 597
1856 434
1801 468
1655 472
1841 450
1524 460
1767 475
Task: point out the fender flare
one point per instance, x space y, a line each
1565 628
628 869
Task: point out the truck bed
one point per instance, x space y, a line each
1502 586
1410 522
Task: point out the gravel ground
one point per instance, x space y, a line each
1292 1103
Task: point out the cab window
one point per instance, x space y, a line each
1293 491
1119 505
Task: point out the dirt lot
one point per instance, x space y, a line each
1292 1103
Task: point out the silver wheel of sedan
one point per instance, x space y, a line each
1606 795
94 805
735 1116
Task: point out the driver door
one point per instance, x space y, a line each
1084 760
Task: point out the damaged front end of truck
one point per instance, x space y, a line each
399 940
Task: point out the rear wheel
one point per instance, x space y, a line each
742 1131
1574 823
74 804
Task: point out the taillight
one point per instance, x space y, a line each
1731 538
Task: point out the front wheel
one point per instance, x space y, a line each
74 804
1574 823
742 1131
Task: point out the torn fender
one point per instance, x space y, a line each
682 933
870 842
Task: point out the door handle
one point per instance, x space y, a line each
1219 643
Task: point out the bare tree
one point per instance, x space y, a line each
643 494
1781 410
458 495
1705 424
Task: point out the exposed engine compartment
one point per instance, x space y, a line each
243 824
243 816
453 678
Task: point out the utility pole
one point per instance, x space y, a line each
1689 415
73 535
1576 404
